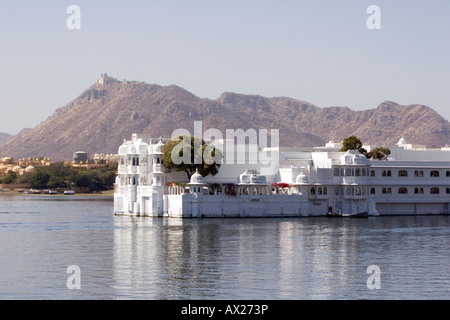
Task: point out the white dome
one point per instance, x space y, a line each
251 176
301 178
196 178
123 149
17 169
142 147
258 179
29 169
157 149
360 159
402 141
354 157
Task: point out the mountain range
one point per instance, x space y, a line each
100 118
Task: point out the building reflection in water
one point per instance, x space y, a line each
164 258
304 258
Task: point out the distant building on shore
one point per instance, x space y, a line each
80 156
23 165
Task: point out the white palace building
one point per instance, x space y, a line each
305 182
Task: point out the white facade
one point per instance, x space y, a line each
306 182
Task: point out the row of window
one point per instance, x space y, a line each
352 172
357 172
134 161
417 173
417 190
361 191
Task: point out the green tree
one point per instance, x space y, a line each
56 182
353 143
189 153
9 178
380 153
60 175
40 178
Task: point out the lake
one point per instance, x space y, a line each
120 257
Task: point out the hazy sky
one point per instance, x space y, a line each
314 50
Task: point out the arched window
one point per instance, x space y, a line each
319 191
372 173
358 172
402 190
383 173
434 173
389 173
372 190
313 190
434 190
402 173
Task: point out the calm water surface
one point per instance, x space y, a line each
151 258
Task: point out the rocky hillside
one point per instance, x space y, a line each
5 138
102 116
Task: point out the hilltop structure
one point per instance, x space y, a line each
306 182
105 79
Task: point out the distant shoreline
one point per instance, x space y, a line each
106 193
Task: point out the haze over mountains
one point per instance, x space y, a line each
102 116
